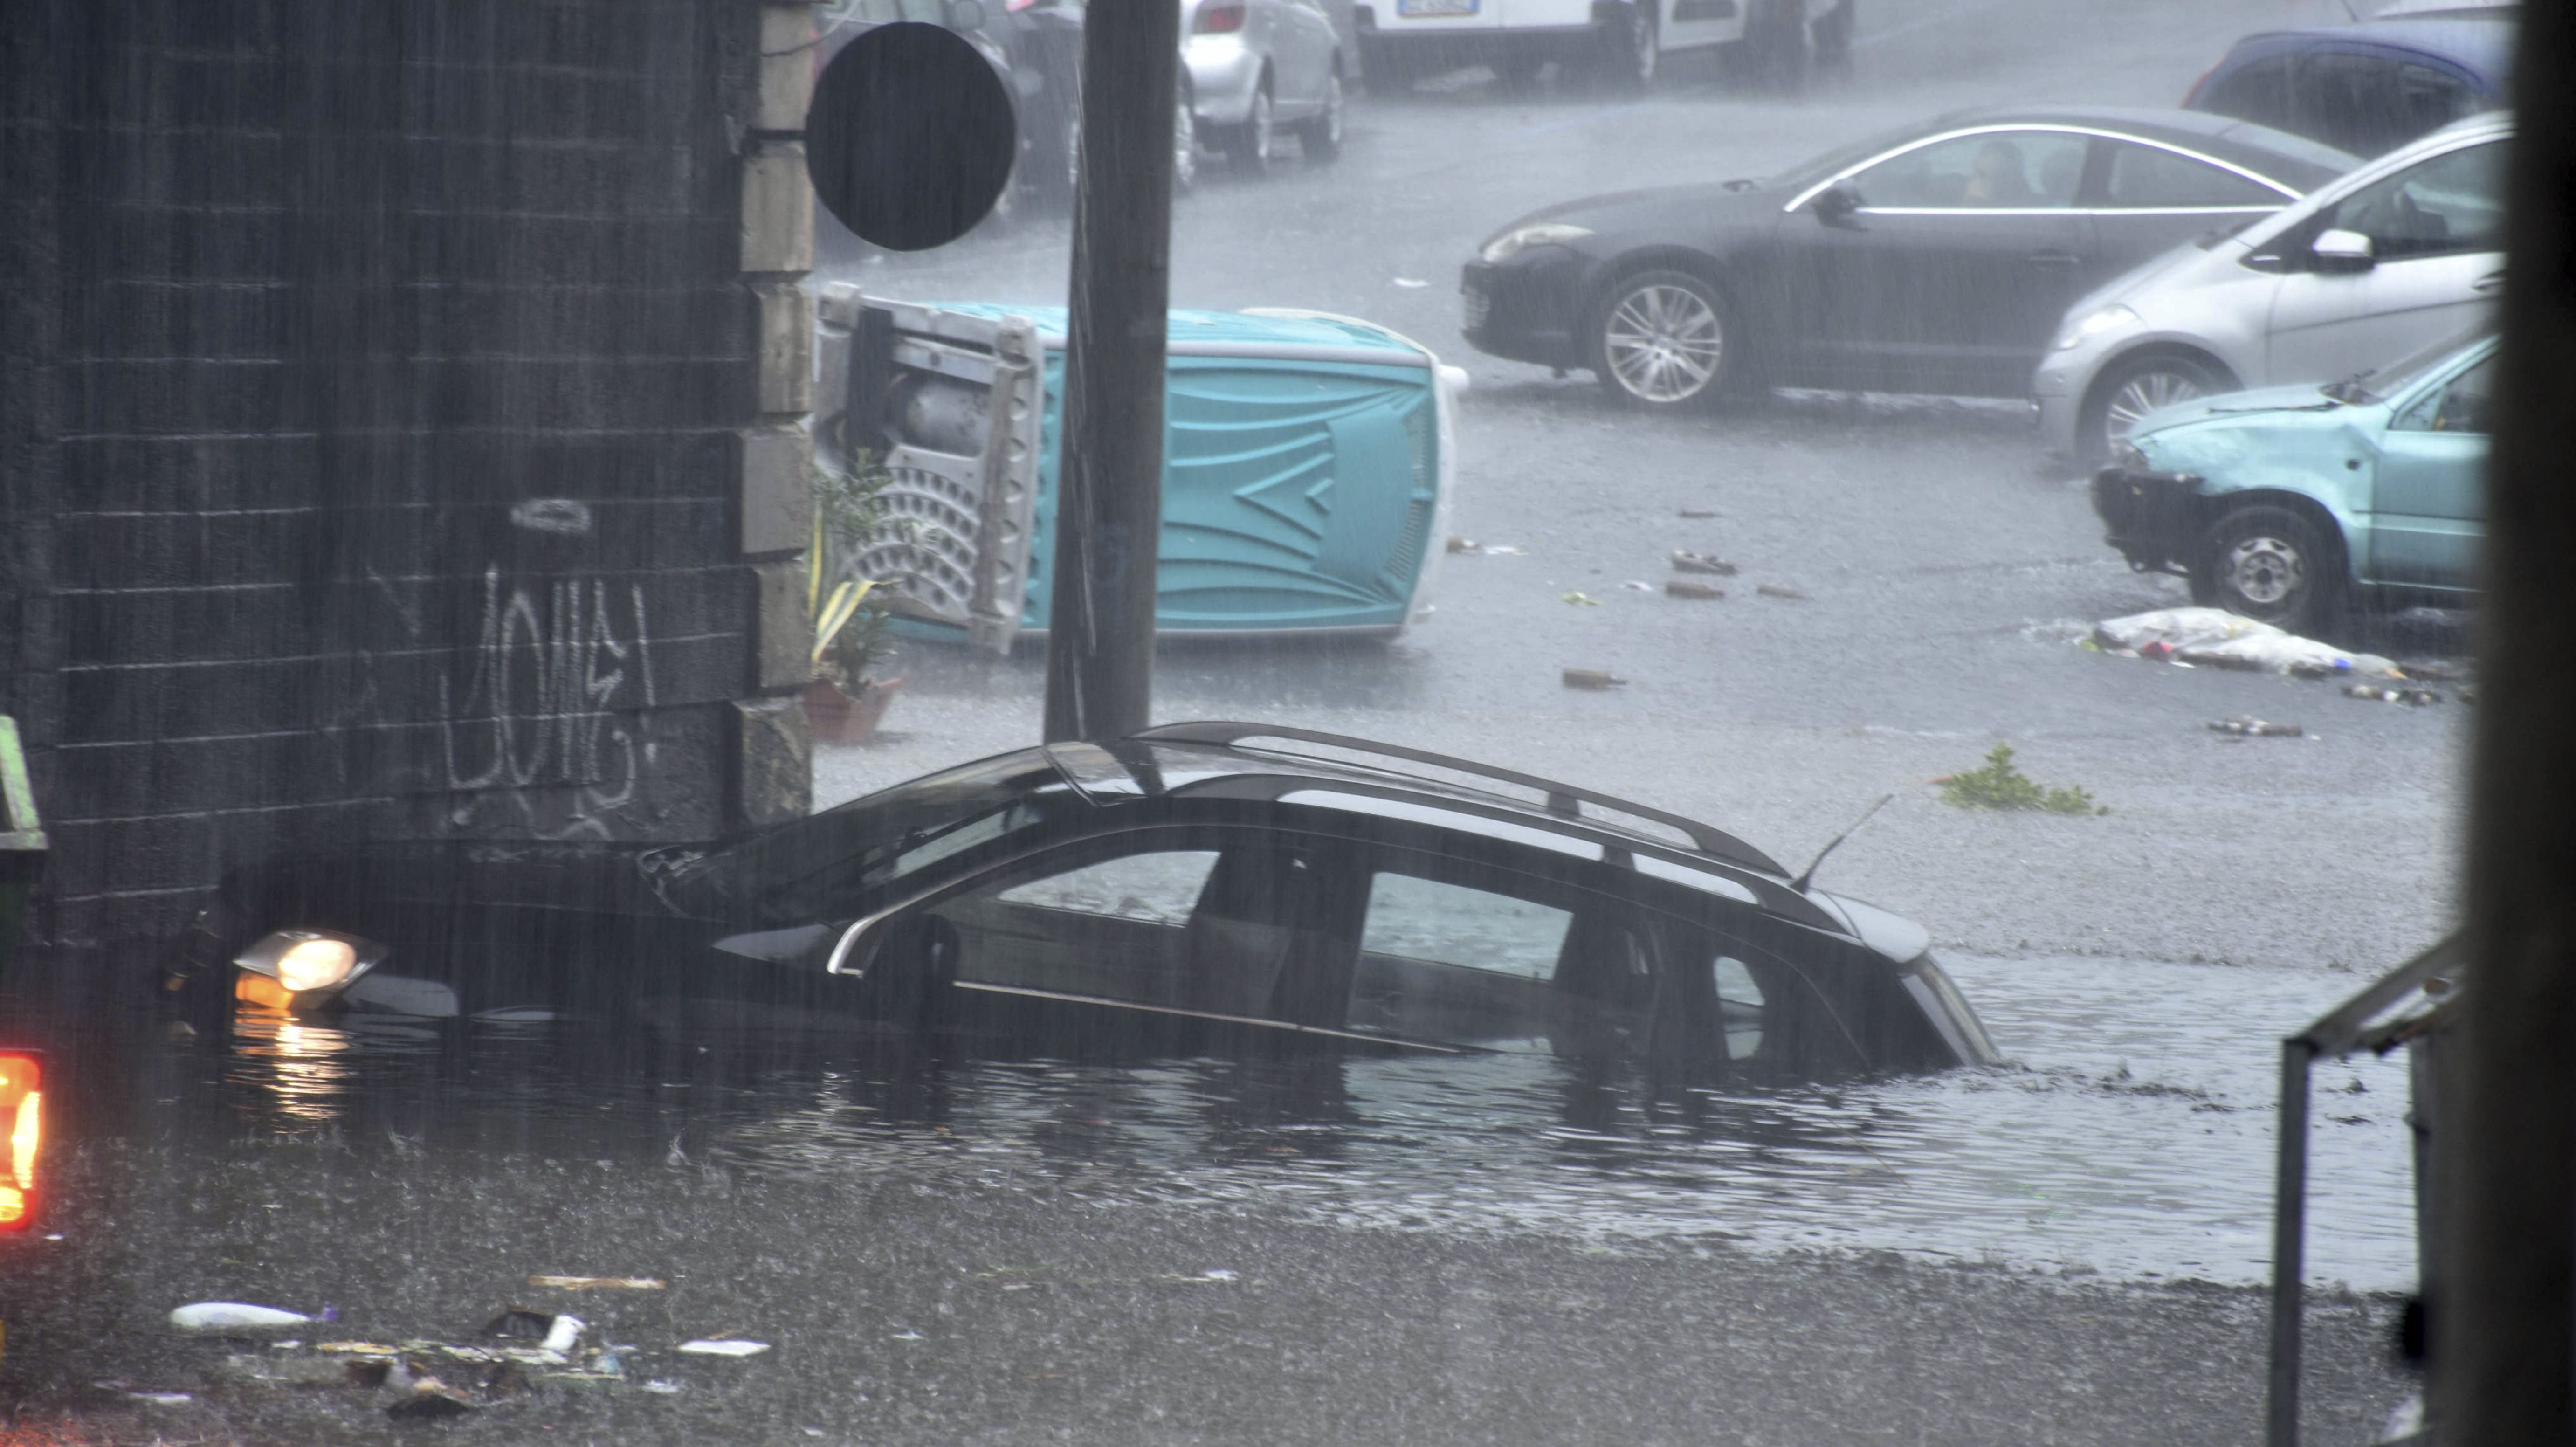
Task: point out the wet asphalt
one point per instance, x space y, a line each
1947 574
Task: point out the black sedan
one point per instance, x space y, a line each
1936 260
1194 888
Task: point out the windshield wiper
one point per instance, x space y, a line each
2350 389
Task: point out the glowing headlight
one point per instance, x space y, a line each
1538 233
299 969
2093 324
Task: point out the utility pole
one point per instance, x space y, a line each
2506 1287
1109 482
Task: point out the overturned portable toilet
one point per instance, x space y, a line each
1309 463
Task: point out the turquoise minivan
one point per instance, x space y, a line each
2293 504
1309 461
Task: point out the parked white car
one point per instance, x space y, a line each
2391 257
1623 41
1251 68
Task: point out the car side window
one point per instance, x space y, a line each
2259 92
2149 177
1452 924
1162 887
2429 99
2465 404
1739 1008
2351 100
2446 206
1990 171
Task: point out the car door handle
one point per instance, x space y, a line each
2492 281
2052 258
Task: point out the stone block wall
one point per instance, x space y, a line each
400 417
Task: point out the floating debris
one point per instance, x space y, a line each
1634 586
1411 283
2417 697
1503 550
1579 600
2249 727
1699 512
234 1316
1592 678
1776 590
1461 545
1686 561
431 1400
599 1283
1685 588
725 1347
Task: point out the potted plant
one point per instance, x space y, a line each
847 696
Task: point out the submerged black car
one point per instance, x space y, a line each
1181 891
1939 259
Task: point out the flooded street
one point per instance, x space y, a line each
940 1244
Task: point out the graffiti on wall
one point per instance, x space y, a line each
557 697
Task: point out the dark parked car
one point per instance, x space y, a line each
1938 259
2366 88
1182 891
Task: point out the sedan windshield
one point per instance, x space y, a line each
815 868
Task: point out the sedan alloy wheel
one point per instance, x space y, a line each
1662 340
2131 390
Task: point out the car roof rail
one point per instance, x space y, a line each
1563 800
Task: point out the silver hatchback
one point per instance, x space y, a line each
1254 67
2404 250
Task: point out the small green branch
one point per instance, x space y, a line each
2001 786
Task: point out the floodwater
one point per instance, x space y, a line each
2131 1137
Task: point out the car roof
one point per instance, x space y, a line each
2479 44
2290 159
1220 758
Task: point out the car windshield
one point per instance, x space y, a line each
819 868
2383 383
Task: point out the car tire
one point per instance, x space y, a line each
1661 340
1250 144
1518 69
1320 136
1382 72
1775 44
1185 144
2131 388
1626 49
2275 566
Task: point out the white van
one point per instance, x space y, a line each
2400 252
1623 41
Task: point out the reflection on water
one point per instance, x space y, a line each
2132 1135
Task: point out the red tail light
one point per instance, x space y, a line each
1219 17
22 1128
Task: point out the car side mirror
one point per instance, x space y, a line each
858 946
1835 204
2343 251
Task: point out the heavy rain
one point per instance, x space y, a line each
1837 619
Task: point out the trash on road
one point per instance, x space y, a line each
1776 590
1635 586
599 1283
1699 512
2376 693
1411 283
431 1400
2249 727
1503 550
1592 678
723 1347
234 1316
2218 638
1686 561
1685 588
1579 600
1461 545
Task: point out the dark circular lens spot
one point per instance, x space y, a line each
910 136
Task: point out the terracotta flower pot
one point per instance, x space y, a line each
839 718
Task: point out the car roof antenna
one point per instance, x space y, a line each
1800 883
